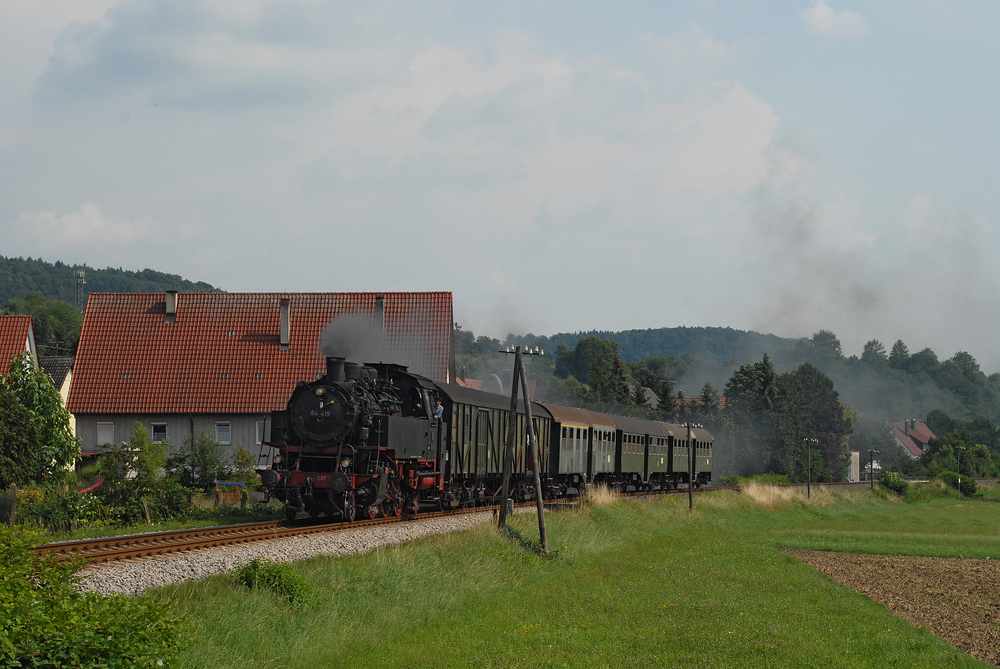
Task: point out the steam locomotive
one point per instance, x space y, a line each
371 440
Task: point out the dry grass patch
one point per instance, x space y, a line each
778 498
601 495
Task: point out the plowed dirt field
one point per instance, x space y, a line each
955 598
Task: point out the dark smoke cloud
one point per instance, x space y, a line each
809 278
359 337
354 336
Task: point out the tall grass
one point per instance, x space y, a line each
774 497
631 585
600 494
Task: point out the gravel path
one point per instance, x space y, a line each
955 598
134 576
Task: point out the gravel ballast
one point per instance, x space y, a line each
134 576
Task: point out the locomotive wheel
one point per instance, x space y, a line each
392 508
350 511
372 512
290 513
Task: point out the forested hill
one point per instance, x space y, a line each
20 276
712 345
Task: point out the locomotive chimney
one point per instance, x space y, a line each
335 369
286 324
171 306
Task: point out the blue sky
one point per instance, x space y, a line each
559 166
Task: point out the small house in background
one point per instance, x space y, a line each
16 337
60 368
493 384
182 363
912 436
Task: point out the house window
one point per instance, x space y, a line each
159 433
260 431
105 434
223 433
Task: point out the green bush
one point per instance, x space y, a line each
951 478
198 462
133 488
895 482
48 622
764 479
277 577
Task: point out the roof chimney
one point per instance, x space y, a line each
171 306
906 428
286 324
380 319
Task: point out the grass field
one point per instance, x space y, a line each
629 585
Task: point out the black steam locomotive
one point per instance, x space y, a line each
372 440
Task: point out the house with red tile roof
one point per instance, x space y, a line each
60 369
181 363
16 337
912 436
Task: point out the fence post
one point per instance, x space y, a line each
243 497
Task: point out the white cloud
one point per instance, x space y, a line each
88 226
822 19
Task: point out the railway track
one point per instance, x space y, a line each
136 546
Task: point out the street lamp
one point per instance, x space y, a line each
871 467
959 448
809 462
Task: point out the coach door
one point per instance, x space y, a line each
483 433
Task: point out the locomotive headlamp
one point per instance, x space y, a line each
320 391
346 462
277 459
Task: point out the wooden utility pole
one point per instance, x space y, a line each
536 463
508 454
690 470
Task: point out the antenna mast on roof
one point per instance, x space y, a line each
80 281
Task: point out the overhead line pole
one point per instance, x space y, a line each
536 463
508 455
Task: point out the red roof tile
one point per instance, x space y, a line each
15 334
476 384
222 353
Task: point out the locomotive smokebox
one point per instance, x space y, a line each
335 369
